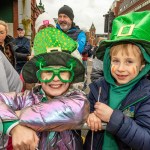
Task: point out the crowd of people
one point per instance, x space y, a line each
51 111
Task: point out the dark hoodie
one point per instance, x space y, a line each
9 42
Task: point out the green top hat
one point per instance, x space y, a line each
130 28
50 38
53 48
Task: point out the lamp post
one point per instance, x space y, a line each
41 7
109 17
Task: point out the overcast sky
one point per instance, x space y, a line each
86 12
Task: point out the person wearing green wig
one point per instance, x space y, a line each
122 98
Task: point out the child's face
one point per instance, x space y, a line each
56 87
125 67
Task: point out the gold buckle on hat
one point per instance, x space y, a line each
53 49
130 30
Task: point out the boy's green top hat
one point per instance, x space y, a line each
53 48
133 27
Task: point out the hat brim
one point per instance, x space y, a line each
52 59
109 43
20 29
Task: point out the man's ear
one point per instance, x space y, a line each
142 67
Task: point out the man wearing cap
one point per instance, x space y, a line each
22 49
66 24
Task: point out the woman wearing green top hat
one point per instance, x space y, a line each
122 98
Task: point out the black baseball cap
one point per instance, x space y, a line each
20 28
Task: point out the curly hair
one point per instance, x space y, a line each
4 24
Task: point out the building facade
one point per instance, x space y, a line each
92 35
20 13
120 7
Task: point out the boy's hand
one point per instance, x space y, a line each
103 111
94 122
24 138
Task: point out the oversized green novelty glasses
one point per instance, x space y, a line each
47 74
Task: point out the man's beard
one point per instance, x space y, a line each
65 27
21 35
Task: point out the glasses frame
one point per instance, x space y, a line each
56 72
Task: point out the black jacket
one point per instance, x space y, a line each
130 132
